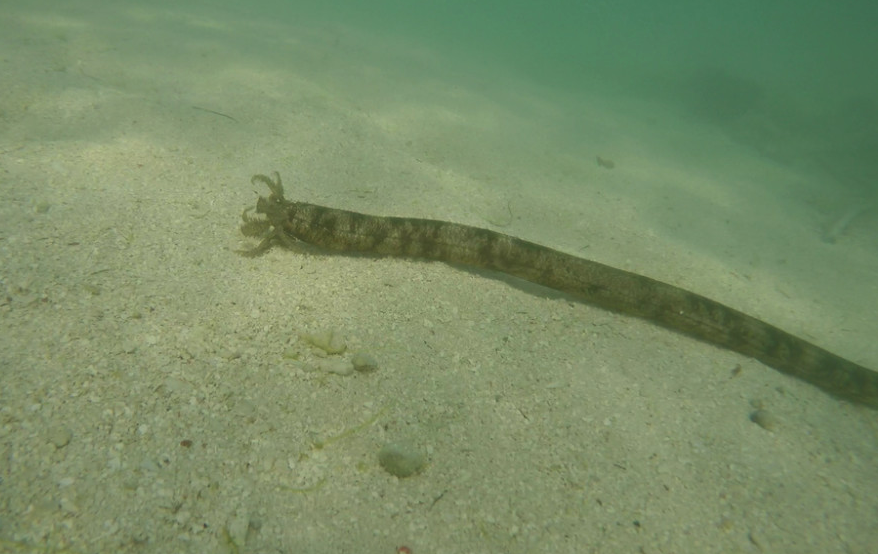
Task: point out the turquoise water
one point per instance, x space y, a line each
805 69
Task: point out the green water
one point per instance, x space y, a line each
807 68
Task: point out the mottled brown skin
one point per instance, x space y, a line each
590 282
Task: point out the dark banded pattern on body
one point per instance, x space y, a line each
590 282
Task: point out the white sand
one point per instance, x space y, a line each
128 323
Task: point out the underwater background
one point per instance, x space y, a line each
790 78
160 392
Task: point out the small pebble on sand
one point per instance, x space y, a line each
763 419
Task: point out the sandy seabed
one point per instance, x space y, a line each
156 396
